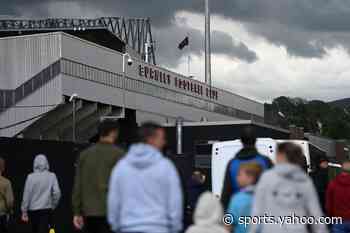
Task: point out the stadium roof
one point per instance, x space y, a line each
111 32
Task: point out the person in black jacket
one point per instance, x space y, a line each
249 153
195 187
320 179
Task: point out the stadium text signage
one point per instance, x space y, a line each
179 83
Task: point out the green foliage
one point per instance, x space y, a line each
327 119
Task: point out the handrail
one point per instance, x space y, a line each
9 98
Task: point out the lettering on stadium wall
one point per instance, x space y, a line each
176 82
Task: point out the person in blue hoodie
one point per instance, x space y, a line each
247 154
145 193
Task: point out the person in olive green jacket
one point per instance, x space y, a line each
90 189
6 198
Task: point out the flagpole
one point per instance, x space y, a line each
207 45
189 55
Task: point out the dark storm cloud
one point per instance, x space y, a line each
298 43
318 15
223 44
166 33
305 27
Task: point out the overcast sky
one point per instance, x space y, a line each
261 48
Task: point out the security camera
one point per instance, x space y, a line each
73 96
129 61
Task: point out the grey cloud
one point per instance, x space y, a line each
168 39
298 43
224 44
304 27
319 15
167 34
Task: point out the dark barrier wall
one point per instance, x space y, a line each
19 155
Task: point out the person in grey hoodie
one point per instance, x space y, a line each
285 197
145 193
208 216
41 196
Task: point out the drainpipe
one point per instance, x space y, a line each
179 125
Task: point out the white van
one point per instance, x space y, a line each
223 152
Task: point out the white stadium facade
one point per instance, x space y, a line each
44 62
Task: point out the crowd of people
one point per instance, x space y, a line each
140 191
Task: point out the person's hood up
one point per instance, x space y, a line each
40 164
291 171
142 155
343 179
247 153
208 211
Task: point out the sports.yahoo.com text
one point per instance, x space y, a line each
228 219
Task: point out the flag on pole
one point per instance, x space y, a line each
183 43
